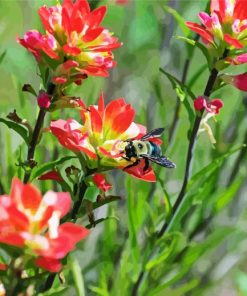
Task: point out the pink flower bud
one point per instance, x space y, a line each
239 81
43 100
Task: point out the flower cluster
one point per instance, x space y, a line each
225 28
102 136
75 44
212 109
30 222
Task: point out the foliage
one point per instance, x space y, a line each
144 239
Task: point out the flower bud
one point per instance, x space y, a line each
239 81
43 100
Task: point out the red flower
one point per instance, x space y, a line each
239 81
30 222
73 34
100 181
225 27
102 136
213 106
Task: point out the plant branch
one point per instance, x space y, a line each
207 91
49 282
238 162
35 136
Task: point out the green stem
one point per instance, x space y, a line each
35 136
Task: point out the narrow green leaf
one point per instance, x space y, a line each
55 292
202 48
39 170
2 56
196 76
77 277
228 195
179 19
182 91
108 199
212 166
20 130
187 201
91 193
89 226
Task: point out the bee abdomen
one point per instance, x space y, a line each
154 149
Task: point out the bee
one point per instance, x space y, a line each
144 148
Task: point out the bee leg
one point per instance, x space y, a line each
146 165
126 158
133 164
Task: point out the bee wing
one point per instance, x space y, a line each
153 134
161 160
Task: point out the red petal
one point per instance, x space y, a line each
240 10
199 103
59 80
31 197
65 20
3 266
233 41
97 16
53 265
241 59
96 120
74 232
201 31
83 6
101 105
60 201
52 175
122 122
71 50
18 219
13 239
44 16
218 104
101 182
92 34
220 7
137 171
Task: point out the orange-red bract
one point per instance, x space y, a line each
102 136
75 40
30 222
225 27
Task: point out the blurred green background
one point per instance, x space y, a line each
204 252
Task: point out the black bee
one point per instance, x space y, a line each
135 150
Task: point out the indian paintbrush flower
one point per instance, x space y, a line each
75 43
212 108
225 28
102 136
31 223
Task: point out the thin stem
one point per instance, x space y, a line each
238 162
178 103
207 91
77 204
35 135
49 282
